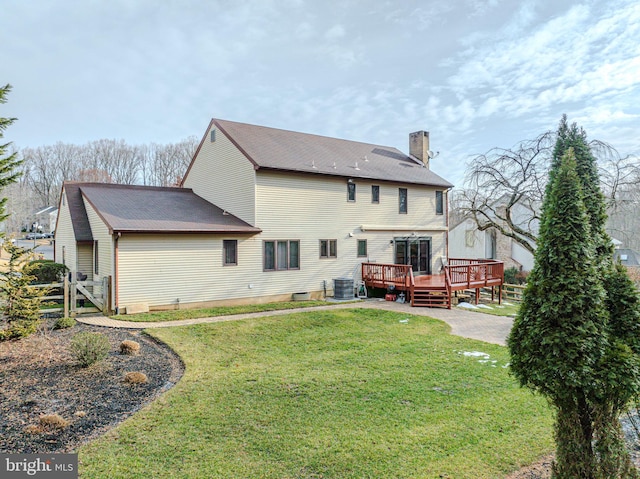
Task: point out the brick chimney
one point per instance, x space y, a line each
419 146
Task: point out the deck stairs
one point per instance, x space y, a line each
434 291
431 297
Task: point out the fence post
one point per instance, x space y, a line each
65 293
73 293
106 295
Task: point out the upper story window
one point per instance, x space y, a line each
375 194
230 252
439 203
281 255
402 200
351 191
328 248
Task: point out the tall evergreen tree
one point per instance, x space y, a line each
618 371
575 339
8 162
555 346
570 136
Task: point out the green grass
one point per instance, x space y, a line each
510 309
331 394
176 315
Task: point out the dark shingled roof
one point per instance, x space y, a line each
146 209
79 220
271 148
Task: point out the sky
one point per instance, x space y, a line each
476 74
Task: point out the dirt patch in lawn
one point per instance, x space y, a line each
40 377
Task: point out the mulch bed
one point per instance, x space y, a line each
39 376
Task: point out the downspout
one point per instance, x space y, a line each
115 273
446 234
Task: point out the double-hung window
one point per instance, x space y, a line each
230 252
375 194
402 201
351 191
328 248
281 255
439 203
362 248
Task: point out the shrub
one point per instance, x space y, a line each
33 429
510 275
64 323
21 301
129 347
89 348
45 271
135 377
53 422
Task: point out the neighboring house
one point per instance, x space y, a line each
627 257
45 220
294 211
467 241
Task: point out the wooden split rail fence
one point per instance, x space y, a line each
76 293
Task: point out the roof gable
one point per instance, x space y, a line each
77 211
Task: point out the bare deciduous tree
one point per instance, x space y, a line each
504 190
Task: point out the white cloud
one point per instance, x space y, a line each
335 33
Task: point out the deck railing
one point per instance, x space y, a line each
383 275
474 273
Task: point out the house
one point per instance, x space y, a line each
626 257
466 240
261 214
45 220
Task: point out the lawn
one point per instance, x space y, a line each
332 394
176 315
507 308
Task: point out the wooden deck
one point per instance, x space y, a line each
435 290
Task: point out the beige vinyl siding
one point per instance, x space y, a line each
85 259
162 269
310 208
222 175
101 234
65 237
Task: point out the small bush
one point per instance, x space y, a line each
89 348
33 429
64 323
45 271
53 422
135 377
130 348
80 413
19 329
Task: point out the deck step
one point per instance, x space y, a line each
434 297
